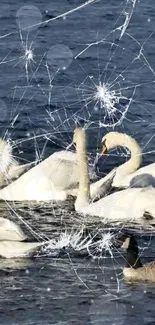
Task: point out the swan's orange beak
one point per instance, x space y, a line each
104 148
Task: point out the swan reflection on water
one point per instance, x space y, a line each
15 264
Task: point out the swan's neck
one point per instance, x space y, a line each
136 155
132 255
84 184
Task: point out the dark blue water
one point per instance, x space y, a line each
48 78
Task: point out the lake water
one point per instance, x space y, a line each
42 98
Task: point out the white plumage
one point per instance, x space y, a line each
129 173
53 179
129 204
10 231
125 205
15 249
12 243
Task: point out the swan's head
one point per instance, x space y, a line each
79 137
109 141
113 139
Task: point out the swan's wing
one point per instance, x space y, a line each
10 231
102 187
64 174
16 170
17 249
63 170
142 180
67 160
62 158
125 205
98 189
64 155
44 181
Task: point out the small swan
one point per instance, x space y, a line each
127 171
134 270
53 179
12 241
124 205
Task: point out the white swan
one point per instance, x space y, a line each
10 231
124 205
17 249
127 174
53 179
12 241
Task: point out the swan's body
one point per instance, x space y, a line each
128 173
12 241
53 179
124 205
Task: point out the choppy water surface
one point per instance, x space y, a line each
71 286
38 96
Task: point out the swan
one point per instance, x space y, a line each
127 174
128 204
13 241
9 230
134 270
55 178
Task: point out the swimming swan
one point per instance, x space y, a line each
12 241
53 179
127 174
10 231
134 270
124 205
17 249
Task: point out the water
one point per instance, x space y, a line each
43 94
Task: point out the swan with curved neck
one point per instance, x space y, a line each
129 204
128 173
